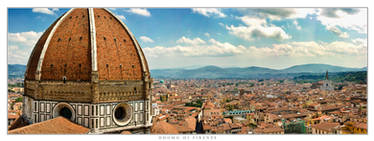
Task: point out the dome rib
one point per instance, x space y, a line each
46 44
93 39
138 49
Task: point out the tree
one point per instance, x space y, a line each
19 99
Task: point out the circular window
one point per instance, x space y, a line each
122 114
65 110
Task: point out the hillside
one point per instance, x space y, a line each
214 72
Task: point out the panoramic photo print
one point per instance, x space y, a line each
187 71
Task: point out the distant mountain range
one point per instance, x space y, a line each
16 70
214 72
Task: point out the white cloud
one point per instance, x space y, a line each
337 32
352 54
291 49
209 12
16 55
314 49
338 12
26 38
221 24
279 13
298 27
195 41
257 28
355 20
50 11
146 39
360 41
139 11
121 17
207 34
213 48
20 46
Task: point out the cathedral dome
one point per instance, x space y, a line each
83 42
89 68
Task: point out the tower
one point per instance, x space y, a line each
327 84
89 68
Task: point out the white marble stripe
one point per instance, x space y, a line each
93 39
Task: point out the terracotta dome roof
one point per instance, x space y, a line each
84 41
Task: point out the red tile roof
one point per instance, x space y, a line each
163 127
59 125
12 116
361 125
125 132
326 126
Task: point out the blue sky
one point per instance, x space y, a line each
225 37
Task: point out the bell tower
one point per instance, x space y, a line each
327 84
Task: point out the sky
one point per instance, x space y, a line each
226 37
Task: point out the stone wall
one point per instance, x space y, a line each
109 91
